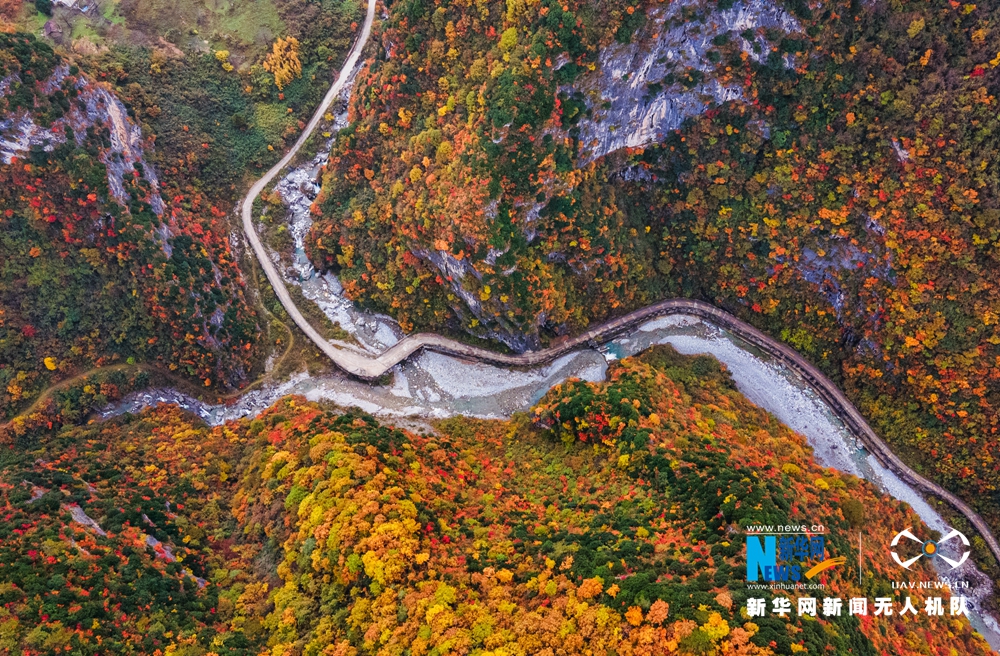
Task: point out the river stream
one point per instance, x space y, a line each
431 385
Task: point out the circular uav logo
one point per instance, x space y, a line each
929 548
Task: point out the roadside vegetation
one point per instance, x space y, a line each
610 517
216 105
847 201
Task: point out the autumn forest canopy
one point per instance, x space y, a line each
608 518
520 171
115 240
508 173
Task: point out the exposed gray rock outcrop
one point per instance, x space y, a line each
94 106
126 141
455 271
18 134
630 103
81 517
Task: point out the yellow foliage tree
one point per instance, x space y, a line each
223 57
283 61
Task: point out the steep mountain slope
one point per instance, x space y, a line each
199 75
96 266
825 171
609 518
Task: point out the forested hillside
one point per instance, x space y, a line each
221 85
122 156
609 519
828 172
224 111
100 263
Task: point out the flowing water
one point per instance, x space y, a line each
431 385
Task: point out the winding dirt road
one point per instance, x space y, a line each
346 360
368 368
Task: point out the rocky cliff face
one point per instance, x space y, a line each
99 267
642 90
476 186
94 107
464 279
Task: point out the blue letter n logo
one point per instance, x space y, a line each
760 557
